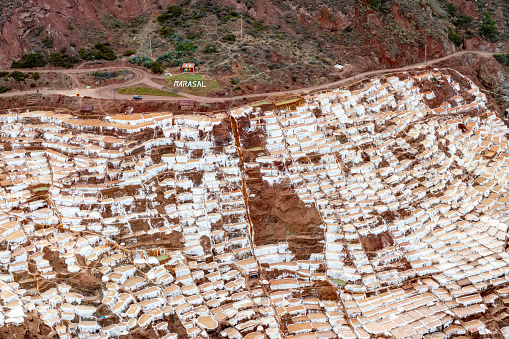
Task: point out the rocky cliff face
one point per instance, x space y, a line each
24 23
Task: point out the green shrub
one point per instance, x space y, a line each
36 76
234 81
374 4
4 89
209 49
129 52
230 37
192 35
172 13
30 61
18 76
503 59
488 29
62 59
105 52
157 68
3 74
451 9
187 47
100 51
48 41
165 32
456 39
258 26
99 76
463 21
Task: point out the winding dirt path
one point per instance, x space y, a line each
144 77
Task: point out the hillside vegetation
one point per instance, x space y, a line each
283 44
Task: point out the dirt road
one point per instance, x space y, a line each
143 77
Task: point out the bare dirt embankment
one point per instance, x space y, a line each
32 327
278 215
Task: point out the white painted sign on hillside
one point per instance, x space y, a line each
186 83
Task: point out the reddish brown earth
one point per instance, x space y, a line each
56 262
85 281
349 30
33 327
375 242
278 214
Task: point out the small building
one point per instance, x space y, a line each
188 67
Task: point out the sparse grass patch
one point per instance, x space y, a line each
147 91
339 282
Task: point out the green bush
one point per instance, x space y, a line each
456 39
230 37
47 41
503 59
129 52
157 68
172 13
62 59
100 51
36 76
192 35
209 49
99 76
374 4
187 47
165 32
258 26
488 29
4 89
3 74
234 81
30 61
462 21
105 52
19 76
